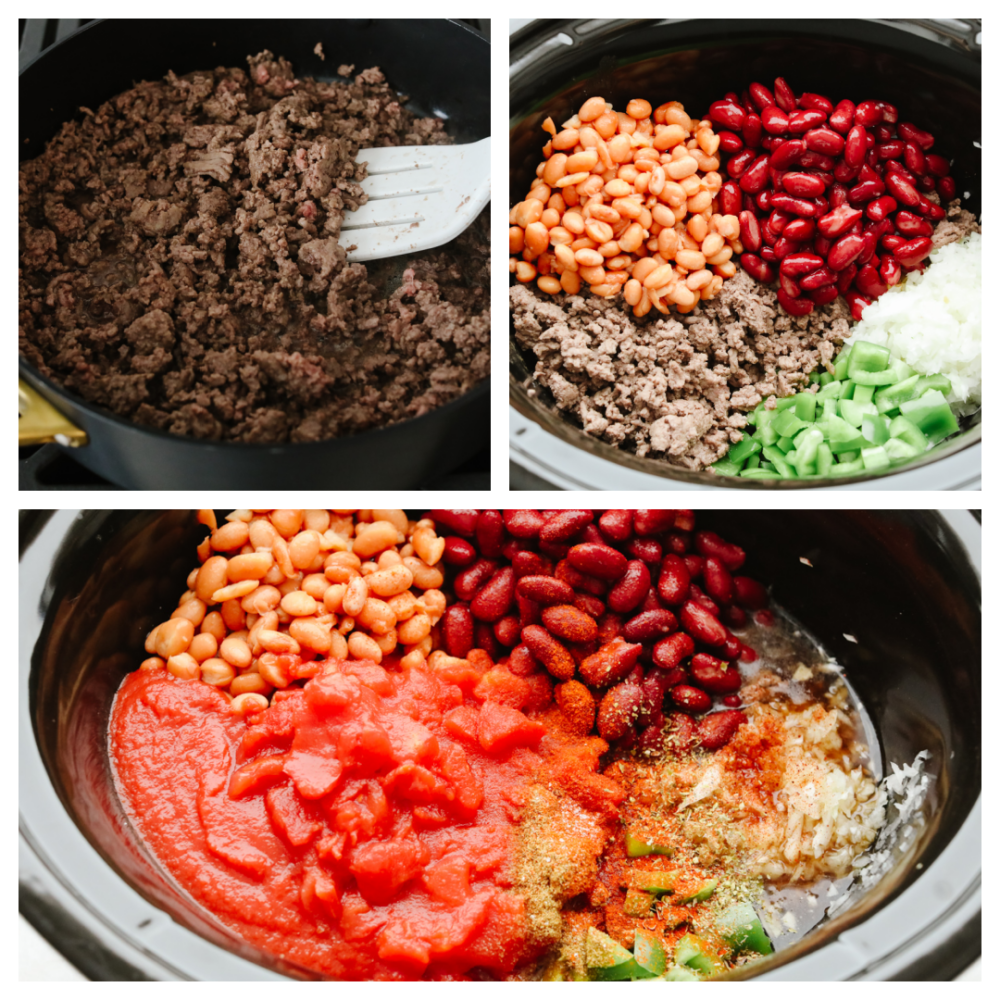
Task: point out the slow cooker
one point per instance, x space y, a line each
931 67
894 596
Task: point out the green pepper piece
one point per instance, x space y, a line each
785 403
787 424
814 377
807 444
875 429
654 882
874 459
805 407
900 451
761 473
905 429
777 458
832 390
848 468
681 974
849 456
635 847
649 953
842 364
753 462
892 395
638 903
743 449
695 953
742 930
932 413
607 959
785 444
766 433
940 382
825 378
726 467
863 393
699 895
867 358
764 466
854 412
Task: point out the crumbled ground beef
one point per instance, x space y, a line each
677 388
181 262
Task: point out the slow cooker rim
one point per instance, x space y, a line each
45 886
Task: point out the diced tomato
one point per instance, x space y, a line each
257 775
502 728
448 879
290 816
500 685
463 723
383 867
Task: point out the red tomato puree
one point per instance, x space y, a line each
362 826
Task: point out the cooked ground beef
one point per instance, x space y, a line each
181 262
677 388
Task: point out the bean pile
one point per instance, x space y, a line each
277 590
626 203
831 200
627 610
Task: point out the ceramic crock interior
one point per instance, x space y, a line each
696 62
898 581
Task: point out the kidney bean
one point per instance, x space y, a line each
914 158
462 522
457 630
897 168
691 698
823 296
762 200
618 711
768 255
749 593
714 675
531 564
679 542
695 565
701 624
729 142
562 525
508 630
648 625
890 271
717 729
727 113
650 522
802 262
530 612
649 550
910 224
818 279
748 655
761 96
866 190
718 581
936 212
869 283
611 663
754 177
787 153
844 172
490 533
523 523
652 601
616 525
824 140
699 596
739 163
816 101
457 551
570 623
892 241
926 183
890 150
750 231
758 269
470 580
774 120
568 573
880 208
708 543
671 652
842 117
735 616
784 96
494 599
631 589
674 583
946 190
802 121
800 230
910 132
609 627
937 165
753 130
552 653
591 533
730 198
554 550
598 560
901 189
857 303
868 113
838 221
593 606
854 147
913 251
732 649
797 206
522 662
803 185
789 286
844 251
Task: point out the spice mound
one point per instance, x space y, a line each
182 262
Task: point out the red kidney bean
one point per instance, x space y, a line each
695 565
545 590
530 612
787 153
748 655
490 533
914 158
701 624
892 242
762 200
654 689
691 698
562 525
911 133
784 96
844 251
531 564
890 271
735 616
714 675
609 627
794 306
854 147
597 559
816 102
568 573
631 589
868 113
774 120
699 595
674 583
650 522
803 185
914 251
798 206
484 639
552 653
494 599
593 606
818 279
649 625
824 140
769 236
869 283
884 133
901 190
679 542
789 286
842 117
718 581
611 663
802 121
730 198
508 630
932 211
671 652
753 130
897 168
926 183
866 190
946 189
568 622
838 221
729 142
616 525
749 593
762 97
462 522
757 268
553 550
910 224
868 250
739 163
857 303
457 630
727 113
649 550
800 230
750 231
591 533
844 172
878 209
617 712
457 551
937 165
708 543
796 264
823 296
523 523
754 177
890 113
732 701
717 729
470 580
522 662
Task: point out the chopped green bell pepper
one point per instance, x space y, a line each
649 953
742 930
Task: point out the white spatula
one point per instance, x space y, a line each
418 197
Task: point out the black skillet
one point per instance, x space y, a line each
443 65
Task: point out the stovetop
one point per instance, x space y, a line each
51 467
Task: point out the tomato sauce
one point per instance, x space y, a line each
362 826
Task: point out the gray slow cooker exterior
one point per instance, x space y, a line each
75 897
546 447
